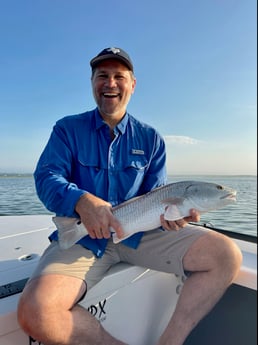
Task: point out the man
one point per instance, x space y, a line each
94 161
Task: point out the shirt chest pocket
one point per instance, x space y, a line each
130 176
91 161
133 170
101 161
135 163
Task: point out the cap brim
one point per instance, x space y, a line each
95 61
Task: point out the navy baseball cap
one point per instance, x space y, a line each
112 53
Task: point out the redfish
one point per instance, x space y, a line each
142 213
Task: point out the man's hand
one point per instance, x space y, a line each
96 215
180 223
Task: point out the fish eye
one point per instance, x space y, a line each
219 187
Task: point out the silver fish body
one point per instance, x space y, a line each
143 213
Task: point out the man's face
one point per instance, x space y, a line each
112 85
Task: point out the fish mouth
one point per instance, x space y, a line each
231 196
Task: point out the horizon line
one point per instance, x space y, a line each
6 174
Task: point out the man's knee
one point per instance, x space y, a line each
33 306
226 254
214 251
25 312
232 255
45 297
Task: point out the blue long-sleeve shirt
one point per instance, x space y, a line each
81 157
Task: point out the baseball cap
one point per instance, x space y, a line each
112 53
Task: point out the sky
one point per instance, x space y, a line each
195 64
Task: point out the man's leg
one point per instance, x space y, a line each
214 261
48 309
48 312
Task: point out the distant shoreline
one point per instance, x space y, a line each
10 175
15 175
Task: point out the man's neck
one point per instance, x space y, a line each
112 120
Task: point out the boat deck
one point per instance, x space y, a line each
139 321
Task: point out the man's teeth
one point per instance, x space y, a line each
108 94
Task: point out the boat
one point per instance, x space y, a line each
132 303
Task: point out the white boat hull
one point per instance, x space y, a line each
132 303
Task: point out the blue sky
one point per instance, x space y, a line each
195 64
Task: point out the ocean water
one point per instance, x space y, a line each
18 196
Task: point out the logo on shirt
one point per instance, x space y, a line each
137 152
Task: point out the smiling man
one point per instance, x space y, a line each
113 84
92 162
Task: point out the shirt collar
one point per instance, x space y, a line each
120 127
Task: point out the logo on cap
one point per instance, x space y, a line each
113 50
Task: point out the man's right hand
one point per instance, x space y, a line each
96 215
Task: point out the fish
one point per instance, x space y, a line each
142 213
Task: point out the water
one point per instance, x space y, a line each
18 196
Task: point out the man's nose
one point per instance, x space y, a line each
111 82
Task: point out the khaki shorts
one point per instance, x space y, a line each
158 250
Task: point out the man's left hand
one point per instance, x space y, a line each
180 223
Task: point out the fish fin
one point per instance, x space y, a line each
65 223
117 240
70 230
173 212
